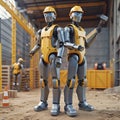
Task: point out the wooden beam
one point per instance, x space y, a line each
68 6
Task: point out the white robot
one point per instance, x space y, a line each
76 41
51 41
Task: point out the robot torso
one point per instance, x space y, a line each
48 42
79 39
16 68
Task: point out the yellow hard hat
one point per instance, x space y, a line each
20 60
76 9
49 9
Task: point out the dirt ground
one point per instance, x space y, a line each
106 104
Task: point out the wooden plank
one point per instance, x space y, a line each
90 4
5 76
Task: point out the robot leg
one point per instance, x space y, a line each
56 97
19 82
81 88
44 87
14 84
56 87
68 90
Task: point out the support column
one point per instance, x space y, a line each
0 60
31 67
13 40
0 66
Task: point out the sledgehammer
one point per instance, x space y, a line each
104 19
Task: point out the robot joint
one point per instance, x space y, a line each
71 83
56 83
43 83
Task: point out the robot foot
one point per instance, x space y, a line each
55 109
85 106
41 106
70 111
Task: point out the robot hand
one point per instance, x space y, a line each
99 29
58 62
80 48
31 53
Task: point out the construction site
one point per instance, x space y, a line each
20 21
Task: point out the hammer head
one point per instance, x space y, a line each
103 17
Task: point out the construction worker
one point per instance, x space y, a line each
50 39
75 41
16 69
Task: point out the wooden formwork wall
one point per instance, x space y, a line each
5 76
36 78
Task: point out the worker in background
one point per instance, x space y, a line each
16 70
75 41
50 40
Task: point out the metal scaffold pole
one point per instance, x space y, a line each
13 40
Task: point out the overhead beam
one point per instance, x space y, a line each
102 3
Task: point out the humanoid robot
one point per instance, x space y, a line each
51 41
76 42
16 68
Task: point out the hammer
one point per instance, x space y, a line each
104 19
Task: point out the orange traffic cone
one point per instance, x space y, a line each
5 98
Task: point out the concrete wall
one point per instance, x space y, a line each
99 50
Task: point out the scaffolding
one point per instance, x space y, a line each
16 36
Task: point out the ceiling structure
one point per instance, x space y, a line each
92 9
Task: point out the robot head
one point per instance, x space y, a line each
20 60
49 14
76 13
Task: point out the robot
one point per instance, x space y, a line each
16 68
76 42
51 41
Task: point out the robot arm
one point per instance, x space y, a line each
73 46
68 44
60 53
90 38
22 68
37 46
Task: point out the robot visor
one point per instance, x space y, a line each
49 17
76 16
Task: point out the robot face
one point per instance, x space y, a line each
49 17
76 16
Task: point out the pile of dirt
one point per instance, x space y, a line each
113 90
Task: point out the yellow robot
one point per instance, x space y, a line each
50 40
16 68
76 42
